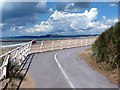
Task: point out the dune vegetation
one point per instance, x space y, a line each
106 48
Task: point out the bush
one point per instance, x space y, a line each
106 47
12 67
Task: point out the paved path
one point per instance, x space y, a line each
64 69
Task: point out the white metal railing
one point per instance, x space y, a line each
18 54
61 44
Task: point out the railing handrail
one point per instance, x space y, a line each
14 49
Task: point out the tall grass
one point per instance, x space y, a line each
106 48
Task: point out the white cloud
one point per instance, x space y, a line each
73 23
1 24
50 10
44 27
113 4
115 20
41 4
104 17
91 14
16 28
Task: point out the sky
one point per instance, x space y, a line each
64 18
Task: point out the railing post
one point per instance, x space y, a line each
86 42
25 50
29 47
61 45
16 52
81 42
23 53
52 45
5 62
69 44
20 56
41 46
75 43
78 42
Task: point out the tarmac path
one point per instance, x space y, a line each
65 69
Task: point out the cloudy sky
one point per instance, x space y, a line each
64 18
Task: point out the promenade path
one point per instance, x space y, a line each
56 64
65 69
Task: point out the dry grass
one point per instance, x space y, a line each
27 82
111 75
5 50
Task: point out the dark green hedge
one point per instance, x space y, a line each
106 48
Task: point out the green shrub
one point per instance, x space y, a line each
1 61
106 47
12 67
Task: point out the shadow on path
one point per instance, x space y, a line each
24 67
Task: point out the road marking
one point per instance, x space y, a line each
68 80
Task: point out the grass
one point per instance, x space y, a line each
3 51
106 48
12 67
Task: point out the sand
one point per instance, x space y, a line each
27 82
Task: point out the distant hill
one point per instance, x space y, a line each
106 48
51 36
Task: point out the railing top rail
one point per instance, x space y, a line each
14 49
